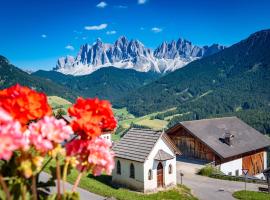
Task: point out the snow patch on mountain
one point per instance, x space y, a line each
125 54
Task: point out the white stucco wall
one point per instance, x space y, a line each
232 166
150 163
107 136
141 181
124 179
265 159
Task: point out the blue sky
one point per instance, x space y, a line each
34 33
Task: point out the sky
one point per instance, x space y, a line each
35 33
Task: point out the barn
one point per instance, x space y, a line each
228 143
145 160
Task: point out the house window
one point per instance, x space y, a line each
132 171
237 172
150 174
170 169
230 173
118 167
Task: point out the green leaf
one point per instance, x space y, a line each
65 196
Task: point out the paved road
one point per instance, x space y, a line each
84 195
208 188
211 189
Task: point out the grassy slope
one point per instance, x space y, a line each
123 116
144 121
102 185
58 102
156 124
125 119
251 195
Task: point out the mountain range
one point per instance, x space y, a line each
233 81
125 54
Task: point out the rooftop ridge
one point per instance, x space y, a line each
209 119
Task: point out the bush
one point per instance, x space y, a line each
208 171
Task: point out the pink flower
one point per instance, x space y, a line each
100 156
48 132
11 137
94 155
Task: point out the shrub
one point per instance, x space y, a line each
208 171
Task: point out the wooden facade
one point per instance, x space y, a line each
160 175
254 163
192 147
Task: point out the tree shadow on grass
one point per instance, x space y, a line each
105 179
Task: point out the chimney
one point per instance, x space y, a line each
228 138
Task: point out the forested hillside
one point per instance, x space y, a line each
10 75
232 82
106 83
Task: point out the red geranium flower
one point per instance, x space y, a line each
92 117
92 155
24 104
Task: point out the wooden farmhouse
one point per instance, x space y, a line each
228 143
145 160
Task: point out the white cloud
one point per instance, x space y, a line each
156 29
111 32
44 36
96 28
69 47
142 1
121 6
102 4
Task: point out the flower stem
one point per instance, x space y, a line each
65 175
77 182
5 188
49 160
34 187
58 175
23 190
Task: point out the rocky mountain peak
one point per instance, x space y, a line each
133 54
121 40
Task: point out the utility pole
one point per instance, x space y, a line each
181 177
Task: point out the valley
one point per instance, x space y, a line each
125 119
227 83
135 100
106 83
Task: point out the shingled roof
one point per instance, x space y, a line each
137 144
211 132
162 155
